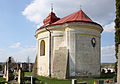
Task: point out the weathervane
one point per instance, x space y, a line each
51 7
80 7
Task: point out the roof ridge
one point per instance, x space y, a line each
77 16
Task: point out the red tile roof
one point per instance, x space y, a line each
50 19
75 17
78 16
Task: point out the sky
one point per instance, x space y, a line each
19 20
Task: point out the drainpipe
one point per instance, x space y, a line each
49 51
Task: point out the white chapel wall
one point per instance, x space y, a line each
43 61
82 57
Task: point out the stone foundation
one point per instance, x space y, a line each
60 62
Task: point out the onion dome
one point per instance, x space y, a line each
50 19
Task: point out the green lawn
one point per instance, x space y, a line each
58 81
2 79
66 81
105 64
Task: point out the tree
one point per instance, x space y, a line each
28 60
29 65
109 71
117 26
11 60
103 71
117 29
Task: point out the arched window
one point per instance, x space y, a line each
42 48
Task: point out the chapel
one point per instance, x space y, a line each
68 47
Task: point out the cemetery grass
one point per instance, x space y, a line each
2 79
66 81
107 64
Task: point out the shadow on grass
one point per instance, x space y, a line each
69 81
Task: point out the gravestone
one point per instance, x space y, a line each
82 83
35 66
9 73
20 76
74 81
101 82
5 70
114 79
32 80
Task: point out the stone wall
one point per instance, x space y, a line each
60 62
84 59
34 71
87 57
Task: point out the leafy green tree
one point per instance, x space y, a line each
117 28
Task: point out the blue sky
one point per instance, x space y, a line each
12 22
19 20
15 28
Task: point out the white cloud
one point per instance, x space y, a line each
36 10
101 11
16 45
22 54
19 55
108 54
108 49
109 27
38 26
